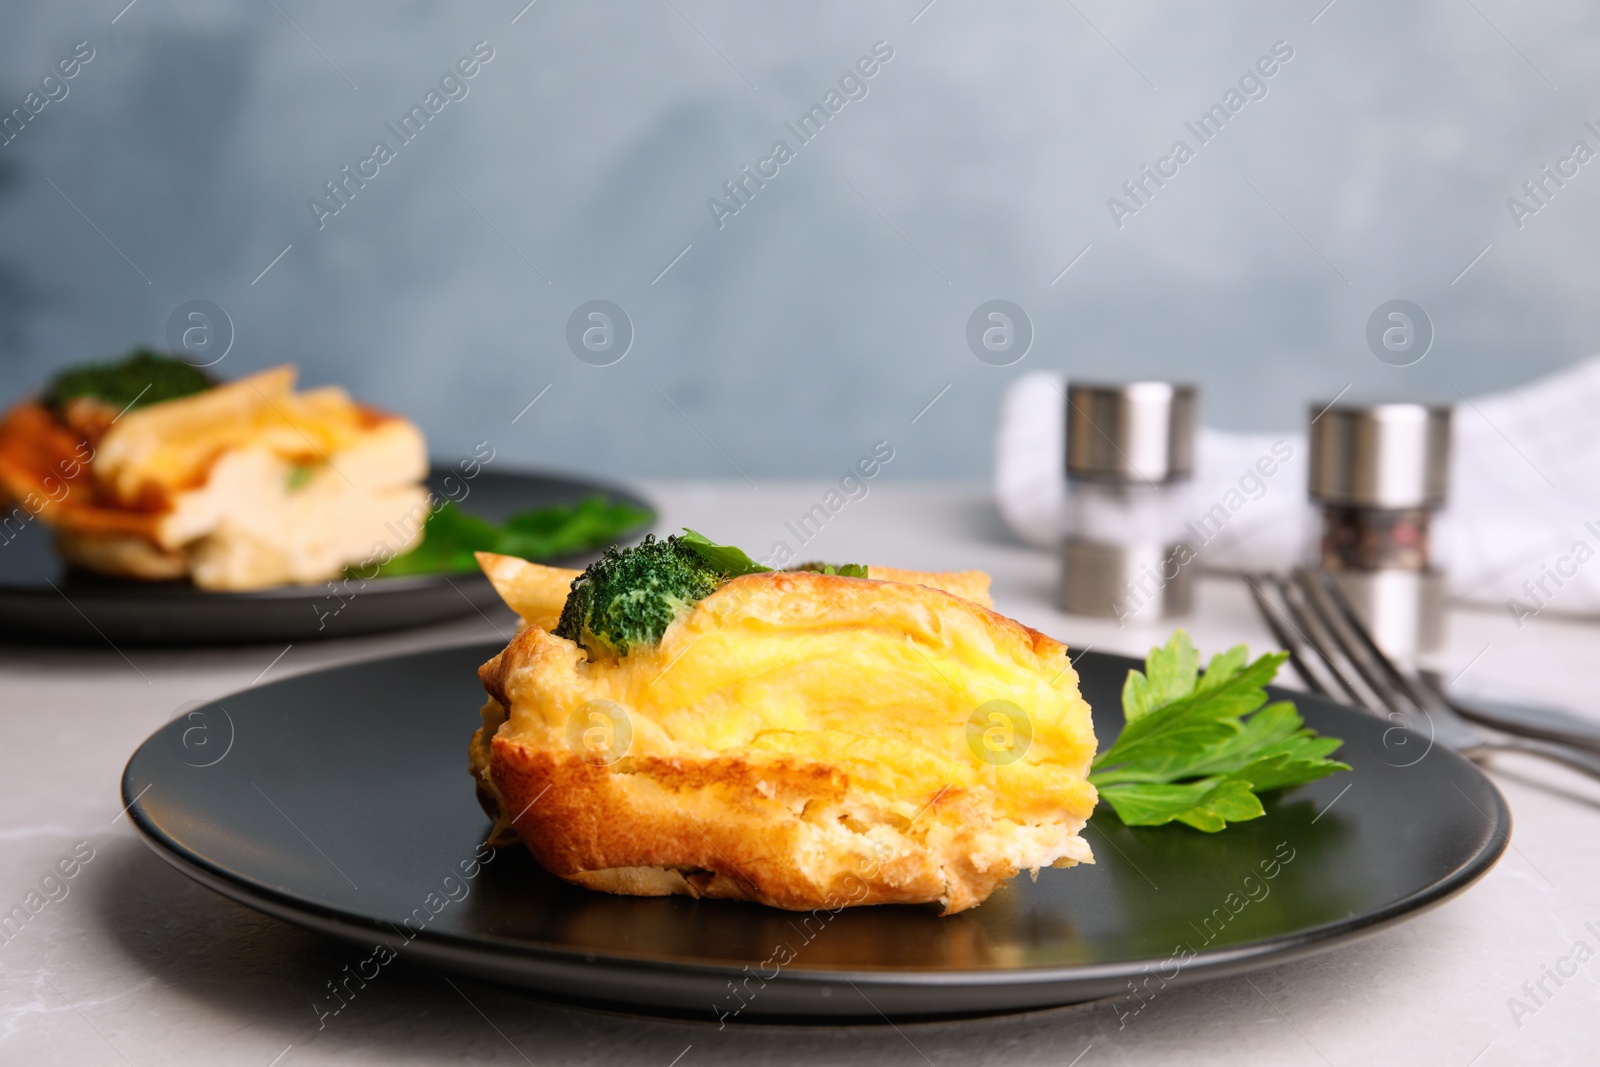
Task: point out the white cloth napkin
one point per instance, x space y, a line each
1521 529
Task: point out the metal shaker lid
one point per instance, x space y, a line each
1136 432
1380 455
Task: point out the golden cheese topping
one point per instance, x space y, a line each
152 453
879 679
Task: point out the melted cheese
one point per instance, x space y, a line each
878 679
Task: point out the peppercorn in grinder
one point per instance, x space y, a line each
1380 473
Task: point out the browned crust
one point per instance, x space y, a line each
971 585
752 826
714 822
44 466
495 675
37 452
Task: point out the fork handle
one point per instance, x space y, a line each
1577 759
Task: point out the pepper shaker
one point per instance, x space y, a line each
1130 458
1379 473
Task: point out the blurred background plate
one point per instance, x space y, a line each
41 599
340 800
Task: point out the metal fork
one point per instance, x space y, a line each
1335 655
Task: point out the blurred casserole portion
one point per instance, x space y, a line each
148 470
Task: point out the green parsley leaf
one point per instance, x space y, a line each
843 570
1198 748
298 478
1209 804
452 536
726 558
550 532
1172 673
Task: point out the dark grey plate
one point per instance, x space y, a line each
340 801
42 599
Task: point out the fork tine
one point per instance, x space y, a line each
1317 604
1346 610
1369 662
1276 622
1310 623
1310 633
1429 712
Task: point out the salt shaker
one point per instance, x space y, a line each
1379 473
1130 458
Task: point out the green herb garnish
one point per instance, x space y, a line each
731 561
298 478
843 570
138 380
452 536
1198 748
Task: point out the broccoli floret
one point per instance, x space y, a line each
629 597
141 378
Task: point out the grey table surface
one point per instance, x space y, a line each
137 965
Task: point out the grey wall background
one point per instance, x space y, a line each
831 310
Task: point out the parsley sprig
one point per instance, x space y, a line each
735 562
452 536
1198 748
732 561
